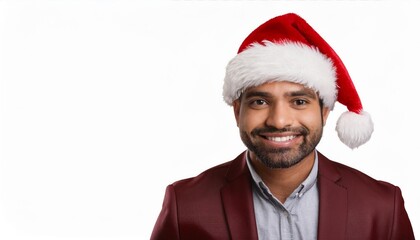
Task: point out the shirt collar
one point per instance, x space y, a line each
307 184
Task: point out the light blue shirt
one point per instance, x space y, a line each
296 219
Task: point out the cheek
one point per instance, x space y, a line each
311 119
249 120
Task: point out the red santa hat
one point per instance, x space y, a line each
287 48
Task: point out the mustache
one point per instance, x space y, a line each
299 130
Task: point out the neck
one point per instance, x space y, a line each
283 181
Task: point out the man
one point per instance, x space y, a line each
282 85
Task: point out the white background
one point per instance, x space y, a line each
104 103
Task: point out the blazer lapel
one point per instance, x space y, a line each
237 201
239 207
332 202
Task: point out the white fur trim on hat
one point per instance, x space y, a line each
285 61
354 129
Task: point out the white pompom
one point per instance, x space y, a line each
354 129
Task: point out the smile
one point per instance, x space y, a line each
281 139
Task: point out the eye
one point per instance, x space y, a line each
258 103
300 102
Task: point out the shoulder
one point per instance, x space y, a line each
216 173
213 178
352 176
360 186
190 204
198 199
368 201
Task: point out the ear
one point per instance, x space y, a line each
236 110
325 113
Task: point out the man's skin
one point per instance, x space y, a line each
290 122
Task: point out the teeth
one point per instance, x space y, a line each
281 139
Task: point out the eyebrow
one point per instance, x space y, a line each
257 94
304 92
298 93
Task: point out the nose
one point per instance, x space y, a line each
280 116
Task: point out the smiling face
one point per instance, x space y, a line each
280 122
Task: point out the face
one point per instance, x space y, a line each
280 122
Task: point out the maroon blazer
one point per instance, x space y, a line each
217 204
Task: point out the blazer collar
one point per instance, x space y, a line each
332 202
239 207
237 201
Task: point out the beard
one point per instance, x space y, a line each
281 157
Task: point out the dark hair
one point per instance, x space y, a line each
321 103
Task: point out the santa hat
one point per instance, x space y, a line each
287 48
